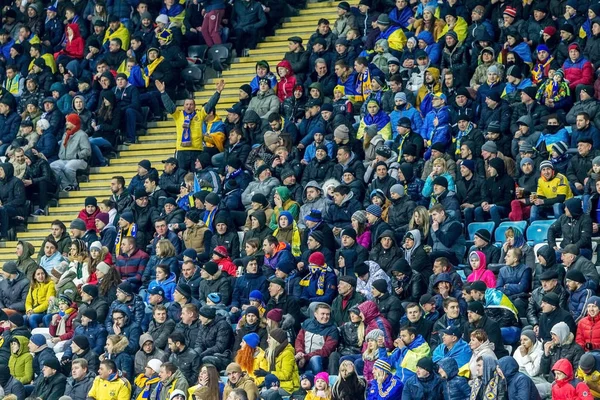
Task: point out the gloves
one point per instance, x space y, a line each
260 373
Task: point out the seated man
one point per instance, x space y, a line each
410 348
453 346
313 353
574 226
514 279
447 239
497 305
552 191
75 150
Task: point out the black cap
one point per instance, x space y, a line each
295 39
552 299
549 274
171 160
476 307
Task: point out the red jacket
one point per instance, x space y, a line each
73 48
374 320
89 219
287 83
580 72
70 329
569 388
226 265
588 331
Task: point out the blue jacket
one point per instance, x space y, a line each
439 134
341 216
329 286
121 8
9 126
519 385
461 352
400 18
124 362
433 49
410 112
311 150
423 388
47 145
578 300
454 387
168 285
514 281
392 386
308 127
5 48
150 270
254 83
96 335
590 133
246 284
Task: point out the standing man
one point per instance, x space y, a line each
189 124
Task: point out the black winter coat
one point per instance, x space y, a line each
534 307
399 214
318 170
51 388
391 309
214 339
12 190
456 60
492 328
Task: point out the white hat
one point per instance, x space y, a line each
163 18
103 267
154 364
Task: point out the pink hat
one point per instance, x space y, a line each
322 375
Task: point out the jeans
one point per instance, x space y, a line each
3 148
151 99
315 364
34 320
47 319
67 171
98 144
218 160
496 213
187 159
132 116
245 39
540 212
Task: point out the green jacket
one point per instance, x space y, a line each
21 362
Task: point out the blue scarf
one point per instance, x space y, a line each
186 135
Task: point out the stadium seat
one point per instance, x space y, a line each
537 233
475 226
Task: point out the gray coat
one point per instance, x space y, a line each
78 147
264 104
320 204
13 294
78 390
256 187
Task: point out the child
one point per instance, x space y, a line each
287 232
61 328
185 200
221 257
306 383
88 214
341 104
214 300
272 384
287 80
108 207
321 391
79 262
371 354
165 279
480 272
554 93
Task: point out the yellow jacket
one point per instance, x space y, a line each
460 29
554 187
20 363
37 298
424 89
50 63
592 380
286 370
312 395
396 39
121 33
117 389
260 362
195 129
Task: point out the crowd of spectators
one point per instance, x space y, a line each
315 243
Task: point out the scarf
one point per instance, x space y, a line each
208 218
460 135
315 269
61 328
149 69
141 381
131 231
68 134
186 135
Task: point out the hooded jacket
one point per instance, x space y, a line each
74 48
386 258
375 272
454 387
515 282
287 83
13 293
264 104
576 229
422 388
12 190
316 339
566 349
21 362
482 273
321 203
519 385
245 284
568 388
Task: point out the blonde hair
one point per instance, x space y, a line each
440 161
424 214
166 248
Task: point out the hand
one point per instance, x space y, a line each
300 146
234 309
399 343
548 346
102 357
54 319
299 355
301 362
539 202
399 290
27 182
220 85
435 225
260 372
203 13
160 86
579 186
523 351
116 329
536 329
336 231
341 262
267 9
595 227
380 341
55 340
435 121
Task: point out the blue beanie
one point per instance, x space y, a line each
257 295
375 210
38 339
252 340
271 380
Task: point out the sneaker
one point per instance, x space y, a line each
70 188
38 212
128 143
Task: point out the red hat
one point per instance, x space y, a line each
275 314
221 251
549 30
510 11
574 46
75 120
317 258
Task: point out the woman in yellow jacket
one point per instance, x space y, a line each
280 355
21 360
40 291
252 359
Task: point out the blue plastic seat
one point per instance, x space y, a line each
475 226
499 234
537 233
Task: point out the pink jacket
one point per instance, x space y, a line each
482 274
